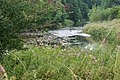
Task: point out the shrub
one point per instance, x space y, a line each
68 23
13 19
100 14
18 15
48 15
104 30
117 8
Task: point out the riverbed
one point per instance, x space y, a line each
68 36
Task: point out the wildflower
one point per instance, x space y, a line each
12 78
33 51
118 47
3 74
93 58
1 69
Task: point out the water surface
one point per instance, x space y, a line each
73 36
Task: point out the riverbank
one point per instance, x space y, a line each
106 31
64 36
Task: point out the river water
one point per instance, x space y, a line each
74 36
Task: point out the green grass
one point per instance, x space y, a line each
105 24
71 63
106 31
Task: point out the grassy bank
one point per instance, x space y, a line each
47 63
107 31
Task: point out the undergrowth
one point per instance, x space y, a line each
47 63
107 31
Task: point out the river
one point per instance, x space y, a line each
69 36
74 36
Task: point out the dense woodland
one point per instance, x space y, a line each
18 16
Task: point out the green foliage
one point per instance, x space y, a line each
84 9
107 10
13 19
106 31
100 14
77 10
74 11
54 63
91 3
18 15
110 3
118 16
68 22
118 9
101 34
49 14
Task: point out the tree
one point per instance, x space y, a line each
14 17
91 3
110 3
18 15
100 14
74 11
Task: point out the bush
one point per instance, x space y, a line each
104 30
13 19
117 8
100 14
48 15
18 15
102 33
68 23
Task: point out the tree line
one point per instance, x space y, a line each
84 10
